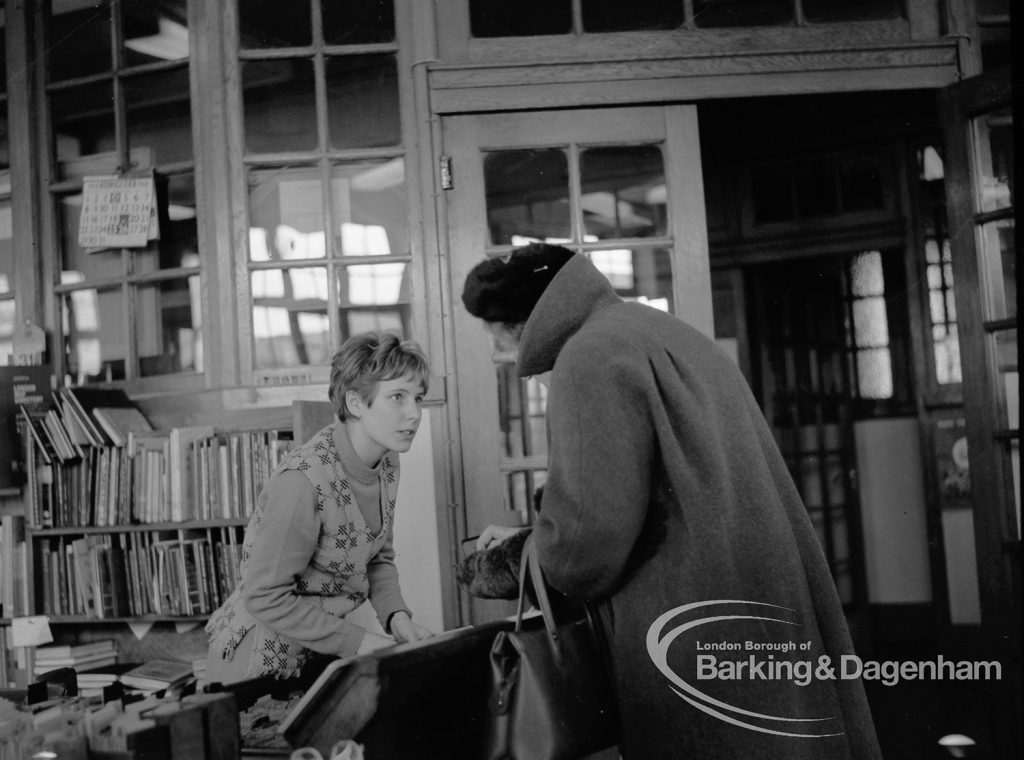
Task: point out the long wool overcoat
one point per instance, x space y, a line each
668 502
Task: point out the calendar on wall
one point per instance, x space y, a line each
117 212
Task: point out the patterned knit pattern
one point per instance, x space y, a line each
336 576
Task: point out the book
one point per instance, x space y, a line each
55 651
119 421
157 674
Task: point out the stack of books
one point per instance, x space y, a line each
92 682
155 675
93 655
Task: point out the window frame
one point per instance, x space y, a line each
57 187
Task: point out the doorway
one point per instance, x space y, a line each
622 186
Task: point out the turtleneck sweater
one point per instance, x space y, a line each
363 479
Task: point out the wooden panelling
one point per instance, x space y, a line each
457 89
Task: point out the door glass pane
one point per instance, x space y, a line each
273 23
712 13
617 16
638 274
527 195
1000 262
349 22
374 297
95 339
289 317
168 321
362 101
525 18
521 493
623 192
160 114
851 10
280 105
522 410
995 159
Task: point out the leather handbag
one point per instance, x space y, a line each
552 697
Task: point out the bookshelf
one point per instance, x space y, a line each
133 524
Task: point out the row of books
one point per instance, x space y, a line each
137 573
92 459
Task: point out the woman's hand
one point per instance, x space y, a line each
372 642
404 630
494 534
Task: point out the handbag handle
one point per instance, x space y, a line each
529 566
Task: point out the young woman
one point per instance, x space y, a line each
668 504
319 542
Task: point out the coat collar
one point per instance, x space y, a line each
576 292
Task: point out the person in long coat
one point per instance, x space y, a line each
668 506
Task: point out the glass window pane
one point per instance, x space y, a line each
289 317
995 159
273 23
370 216
874 373
83 36
83 121
771 190
527 195
155 30
947 356
95 335
999 261
712 13
623 192
851 10
860 184
526 18
866 275
168 327
6 329
286 213
178 244
1008 368
617 16
816 191
362 101
871 327
160 114
639 274
280 106
374 297
349 22
82 264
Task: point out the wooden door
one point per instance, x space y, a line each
979 141
620 185
807 375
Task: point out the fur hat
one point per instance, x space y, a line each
506 291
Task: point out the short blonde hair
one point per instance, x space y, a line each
366 359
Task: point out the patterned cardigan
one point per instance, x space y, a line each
336 578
